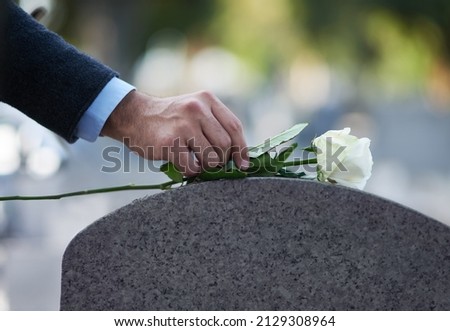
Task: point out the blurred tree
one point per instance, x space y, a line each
262 32
346 21
436 12
124 27
399 39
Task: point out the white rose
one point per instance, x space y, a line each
343 158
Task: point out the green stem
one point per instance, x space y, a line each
163 186
130 187
300 162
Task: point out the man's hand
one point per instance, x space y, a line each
194 131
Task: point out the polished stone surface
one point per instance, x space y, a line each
259 244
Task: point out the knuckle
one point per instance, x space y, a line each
208 95
235 126
193 106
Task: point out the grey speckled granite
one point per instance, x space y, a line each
259 244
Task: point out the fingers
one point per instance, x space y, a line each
221 133
193 156
204 152
218 137
209 151
233 127
183 159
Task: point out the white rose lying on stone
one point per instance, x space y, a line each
343 159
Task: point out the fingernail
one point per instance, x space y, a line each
245 164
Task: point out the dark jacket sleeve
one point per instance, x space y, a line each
45 77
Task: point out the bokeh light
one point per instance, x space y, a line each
9 150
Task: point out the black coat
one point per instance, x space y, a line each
43 76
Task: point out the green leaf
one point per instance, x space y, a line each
261 164
172 172
284 155
230 165
264 166
276 140
258 163
221 173
290 174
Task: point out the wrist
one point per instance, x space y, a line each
119 124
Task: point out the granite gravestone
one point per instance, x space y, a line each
259 244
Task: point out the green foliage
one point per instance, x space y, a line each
222 173
395 40
277 140
284 155
262 163
344 31
172 172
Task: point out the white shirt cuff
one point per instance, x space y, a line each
93 120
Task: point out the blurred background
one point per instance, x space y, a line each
381 67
